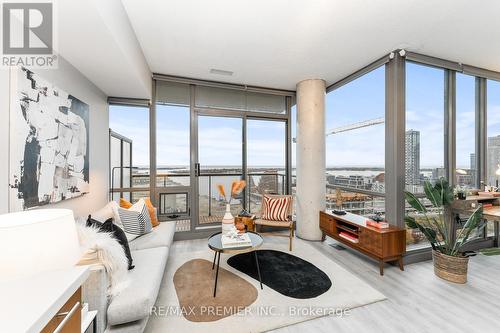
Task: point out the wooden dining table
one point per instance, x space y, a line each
490 213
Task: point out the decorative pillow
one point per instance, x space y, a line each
125 203
105 213
136 220
152 212
276 208
117 233
151 209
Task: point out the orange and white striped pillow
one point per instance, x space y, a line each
276 209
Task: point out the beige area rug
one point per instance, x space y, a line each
195 292
271 310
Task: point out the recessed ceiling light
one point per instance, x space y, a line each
221 72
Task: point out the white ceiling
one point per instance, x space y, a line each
281 42
96 37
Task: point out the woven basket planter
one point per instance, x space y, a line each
453 269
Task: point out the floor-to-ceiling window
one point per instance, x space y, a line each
293 120
466 171
493 138
355 145
424 145
424 138
493 132
129 151
266 160
173 157
210 135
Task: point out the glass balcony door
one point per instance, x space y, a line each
219 161
266 160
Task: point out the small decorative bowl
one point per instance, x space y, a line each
240 226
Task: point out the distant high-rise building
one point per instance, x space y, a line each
438 173
493 158
412 157
473 169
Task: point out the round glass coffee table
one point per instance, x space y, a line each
215 244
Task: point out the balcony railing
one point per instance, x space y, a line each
355 200
210 204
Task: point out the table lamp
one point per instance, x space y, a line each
37 241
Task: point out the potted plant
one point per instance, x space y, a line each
450 261
460 192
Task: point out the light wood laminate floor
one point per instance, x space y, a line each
417 300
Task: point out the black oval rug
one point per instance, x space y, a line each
287 274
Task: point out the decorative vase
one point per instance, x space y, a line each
449 268
227 220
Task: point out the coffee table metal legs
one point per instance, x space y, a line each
258 268
217 271
217 256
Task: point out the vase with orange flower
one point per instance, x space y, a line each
228 219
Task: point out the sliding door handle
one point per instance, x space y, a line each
197 169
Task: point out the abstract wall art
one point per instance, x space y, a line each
49 143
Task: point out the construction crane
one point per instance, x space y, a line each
353 126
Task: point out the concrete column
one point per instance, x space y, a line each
311 178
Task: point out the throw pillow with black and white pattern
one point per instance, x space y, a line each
135 220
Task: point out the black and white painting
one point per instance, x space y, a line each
49 143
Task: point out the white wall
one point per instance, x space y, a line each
4 140
72 81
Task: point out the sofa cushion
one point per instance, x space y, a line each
135 301
133 327
162 235
136 220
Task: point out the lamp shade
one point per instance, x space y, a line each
37 241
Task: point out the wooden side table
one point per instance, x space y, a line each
247 221
43 302
90 318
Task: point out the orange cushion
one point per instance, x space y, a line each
125 203
151 209
152 215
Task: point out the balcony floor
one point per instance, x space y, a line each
417 300
210 219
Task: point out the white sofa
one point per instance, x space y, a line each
129 311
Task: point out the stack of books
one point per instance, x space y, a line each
379 225
232 241
349 237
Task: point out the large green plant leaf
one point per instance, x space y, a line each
472 223
429 233
414 202
440 226
445 191
433 194
410 222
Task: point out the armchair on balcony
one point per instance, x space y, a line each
270 216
